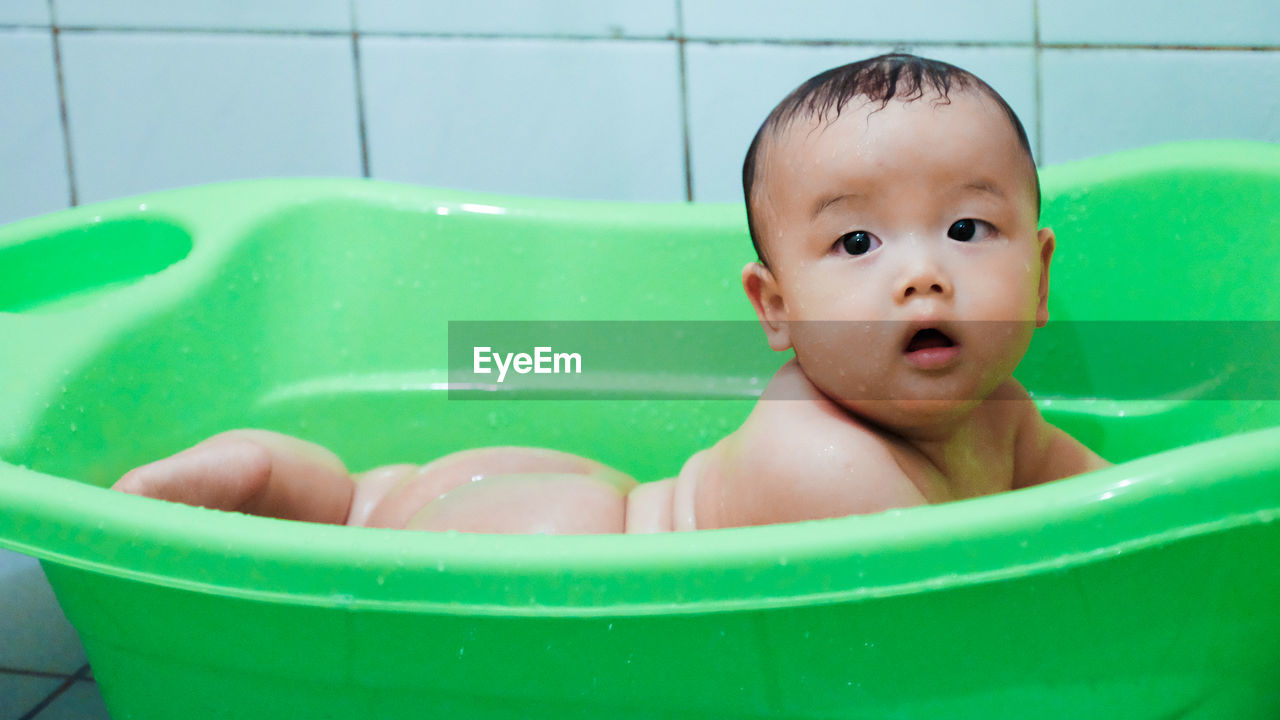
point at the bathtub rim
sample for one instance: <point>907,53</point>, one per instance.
<point>1123,509</point>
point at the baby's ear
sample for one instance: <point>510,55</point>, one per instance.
<point>1045,238</point>
<point>765,296</point>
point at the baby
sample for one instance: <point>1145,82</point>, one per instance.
<point>893,204</point>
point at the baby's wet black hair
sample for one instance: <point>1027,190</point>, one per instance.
<point>879,79</point>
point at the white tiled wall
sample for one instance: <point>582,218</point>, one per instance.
<point>1155,96</point>
<point>510,116</point>
<point>24,12</point>
<point>161,109</point>
<point>1160,22</point>
<point>558,18</point>
<point>605,99</point>
<point>243,15</point>
<point>33,161</point>
<point>968,21</point>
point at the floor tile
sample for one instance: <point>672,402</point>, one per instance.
<point>81,701</point>
<point>36,634</point>
<point>20,693</point>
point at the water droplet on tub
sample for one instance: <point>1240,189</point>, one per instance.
<point>337,304</point>
<point>382,579</point>
<point>440,566</point>
<point>73,427</point>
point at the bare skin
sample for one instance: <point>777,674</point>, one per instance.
<point>906,270</point>
<point>493,490</point>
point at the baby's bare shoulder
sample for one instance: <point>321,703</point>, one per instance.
<point>1045,452</point>
<point>799,456</point>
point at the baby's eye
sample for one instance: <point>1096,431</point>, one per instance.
<point>970,229</point>
<point>858,242</point>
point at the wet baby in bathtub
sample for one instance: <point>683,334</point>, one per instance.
<point>894,205</point>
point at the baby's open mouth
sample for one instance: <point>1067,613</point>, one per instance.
<point>929,338</point>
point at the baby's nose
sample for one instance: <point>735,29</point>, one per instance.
<point>924,280</point>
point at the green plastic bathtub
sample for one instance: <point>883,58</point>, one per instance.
<point>133,328</point>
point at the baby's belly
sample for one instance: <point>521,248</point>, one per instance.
<point>496,490</point>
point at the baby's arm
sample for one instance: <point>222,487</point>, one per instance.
<point>1061,456</point>
<point>251,471</point>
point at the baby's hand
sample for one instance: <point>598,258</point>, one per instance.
<point>250,471</point>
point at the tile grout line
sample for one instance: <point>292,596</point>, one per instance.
<point>361,122</point>
<point>855,42</point>
<point>682,65</point>
<point>33,673</point>
<point>1038,79</point>
<point>66,684</point>
<point>62,107</point>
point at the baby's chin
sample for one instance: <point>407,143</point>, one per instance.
<point>907,408</point>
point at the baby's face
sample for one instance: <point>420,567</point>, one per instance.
<point>914,228</point>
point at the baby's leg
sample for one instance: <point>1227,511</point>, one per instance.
<point>373,486</point>
<point>529,503</point>
<point>666,505</point>
<point>405,494</point>
<point>250,471</point>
